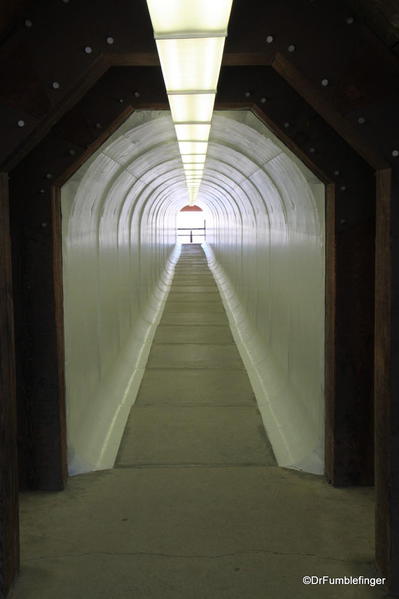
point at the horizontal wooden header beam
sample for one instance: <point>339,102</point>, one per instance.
<point>146,59</point>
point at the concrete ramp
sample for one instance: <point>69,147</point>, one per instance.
<point>195,405</point>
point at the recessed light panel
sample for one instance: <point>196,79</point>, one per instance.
<point>190,36</point>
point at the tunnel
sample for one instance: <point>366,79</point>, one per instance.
<point>265,245</point>
<point>198,408</point>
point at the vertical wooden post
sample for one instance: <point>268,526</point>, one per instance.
<point>58,297</point>
<point>330,261</point>
<point>9,536</point>
<point>387,377</point>
<point>36,227</point>
<point>349,341</point>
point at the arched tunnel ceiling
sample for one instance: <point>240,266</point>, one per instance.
<point>248,171</point>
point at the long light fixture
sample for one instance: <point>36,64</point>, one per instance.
<point>190,36</point>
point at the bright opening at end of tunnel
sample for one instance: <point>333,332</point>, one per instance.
<point>191,225</point>
<point>190,41</point>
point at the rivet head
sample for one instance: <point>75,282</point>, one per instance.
<point>395,153</point>
<point>286,125</point>
<point>21,123</point>
<point>136,94</point>
<point>336,173</point>
<point>55,85</point>
<point>350,20</point>
<point>72,152</point>
<point>49,176</point>
<point>312,150</point>
<point>42,190</point>
<point>28,23</point>
<point>247,94</point>
<point>44,225</point>
<point>361,120</point>
<point>270,39</point>
<point>88,49</point>
<point>263,100</point>
<point>121,100</point>
<point>343,188</point>
<point>98,125</point>
<point>110,40</point>
<point>291,48</point>
<point>325,82</point>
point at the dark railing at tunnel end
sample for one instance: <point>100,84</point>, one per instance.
<point>191,229</point>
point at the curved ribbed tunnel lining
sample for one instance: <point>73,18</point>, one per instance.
<point>265,236</point>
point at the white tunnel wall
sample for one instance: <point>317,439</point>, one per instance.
<point>118,253</point>
<point>265,233</point>
<point>269,264</point>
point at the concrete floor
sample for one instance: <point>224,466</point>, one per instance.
<point>196,507</point>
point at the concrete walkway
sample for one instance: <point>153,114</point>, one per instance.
<point>196,507</point>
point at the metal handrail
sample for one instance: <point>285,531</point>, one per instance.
<point>191,229</point>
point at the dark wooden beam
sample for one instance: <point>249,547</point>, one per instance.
<point>330,332</point>
<point>36,231</point>
<point>94,71</point>
<point>9,541</point>
<point>59,341</point>
<point>349,330</point>
<point>314,98</point>
<point>325,177</point>
<point>387,377</point>
<point>89,151</point>
<point>133,59</point>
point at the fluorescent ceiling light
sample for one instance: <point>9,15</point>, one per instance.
<point>193,16</point>
<point>192,132</point>
<point>193,167</point>
<point>193,147</point>
<point>190,36</point>
<point>193,171</point>
<point>191,64</point>
<point>193,158</point>
<point>187,108</point>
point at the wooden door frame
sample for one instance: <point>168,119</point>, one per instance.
<point>9,520</point>
<point>340,470</point>
<point>386,378</point>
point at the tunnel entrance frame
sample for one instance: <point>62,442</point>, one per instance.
<point>54,475</point>
<point>341,469</point>
<point>386,187</point>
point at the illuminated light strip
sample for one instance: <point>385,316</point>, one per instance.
<point>190,36</point>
